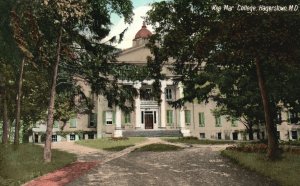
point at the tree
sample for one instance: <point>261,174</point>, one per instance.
<point>200,39</point>
<point>64,23</point>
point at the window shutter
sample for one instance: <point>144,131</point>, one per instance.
<point>104,117</point>
<point>114,117</point>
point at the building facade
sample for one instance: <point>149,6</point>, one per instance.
<point>193,119</point>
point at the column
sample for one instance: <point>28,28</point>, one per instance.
<point>185,132</point>
<point>99,118</point>
<point>138,107</point>
<point>118,130</point>
<point>163,105</point>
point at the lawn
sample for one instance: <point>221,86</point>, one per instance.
<point>194,140</point>
<point>285,171</point>
<point>111,144</point>
<point>158,147</point>
<point>25,162</point>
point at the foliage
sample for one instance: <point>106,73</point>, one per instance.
<point>22,163</point>
<point>194,140</point>
<point>281,171</point>
<point>219,56</point>
<point>111,143</point>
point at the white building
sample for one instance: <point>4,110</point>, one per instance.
<point>154,119</point>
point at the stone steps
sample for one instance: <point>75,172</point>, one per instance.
<point>152,133</point>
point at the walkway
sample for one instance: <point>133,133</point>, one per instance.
<point>195,165</point>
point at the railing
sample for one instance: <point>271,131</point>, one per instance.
<point>149,102</point>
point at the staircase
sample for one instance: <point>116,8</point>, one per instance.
<point>152,133</point>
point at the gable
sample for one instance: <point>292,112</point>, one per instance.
<point>136,55</point>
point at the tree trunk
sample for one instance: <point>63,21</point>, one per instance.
<point>250,130</point>
<point>47,148</point>
<point>273,150</point>
<point>18,104</point>
<point>5,119</point>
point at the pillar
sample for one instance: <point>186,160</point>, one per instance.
<point>163,105</point>
<point>138,107</point>
<point>118,130</point>
<point>185,132</point>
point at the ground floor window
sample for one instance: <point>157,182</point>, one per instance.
<point>90,136</point>
<point>294,135</point>
<point>219,134</point>
<point>54,138</point>
<point>127,118</point>
<point>108,117</point>
<point>202,135</point>
<point>169,117</point>
<point>72,137</point>
<point>187,114</point>
<point>235,136</point>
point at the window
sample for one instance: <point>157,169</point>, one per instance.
<point>169,117</point>
<point>234,122</point>
<point>72,137</point>
<point>219,134</point>
<point>218,121</point>
<point>127,118</point>
<point>187,114</point>
<point>90,136</point>
<point>142,117</point>
<point>73,123</point>
<point>56,124</point>
<point>294,135</point>
<point>201,119</point>
<point>292,117</point>
<point>235,136</point>
<point>92,120</point>
<point>278,118</point>
<point>54,138</point>
<point>108,117</point>
<point>168,93</point>
<point>202,135</point>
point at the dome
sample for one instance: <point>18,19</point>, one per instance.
<point>143,32</point>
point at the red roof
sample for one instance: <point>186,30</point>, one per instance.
<point>143,32</point>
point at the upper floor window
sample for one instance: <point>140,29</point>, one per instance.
<point>73,123</point>
<point>201,119</point>
<point>218,121</point>
<point>55,124</point>
<point>292,117</point>
<point>169,94</point>
<point>92,120</point>
<point>234,122</point>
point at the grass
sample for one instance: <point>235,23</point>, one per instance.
<point>284,171</point>
<point>158,147</point>
<point>24,162</point>
<point>111,144</point>
<point>193,140</point>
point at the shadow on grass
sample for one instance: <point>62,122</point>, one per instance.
<point>158,147</point>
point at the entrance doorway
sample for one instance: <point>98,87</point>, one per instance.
<point>149,120</point>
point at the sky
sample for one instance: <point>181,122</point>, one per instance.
<point>140,9</point>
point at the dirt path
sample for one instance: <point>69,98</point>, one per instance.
<point>194,166</point>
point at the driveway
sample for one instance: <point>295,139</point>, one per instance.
<point>198,165</point>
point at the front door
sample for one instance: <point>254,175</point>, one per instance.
<point>149,120</point>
